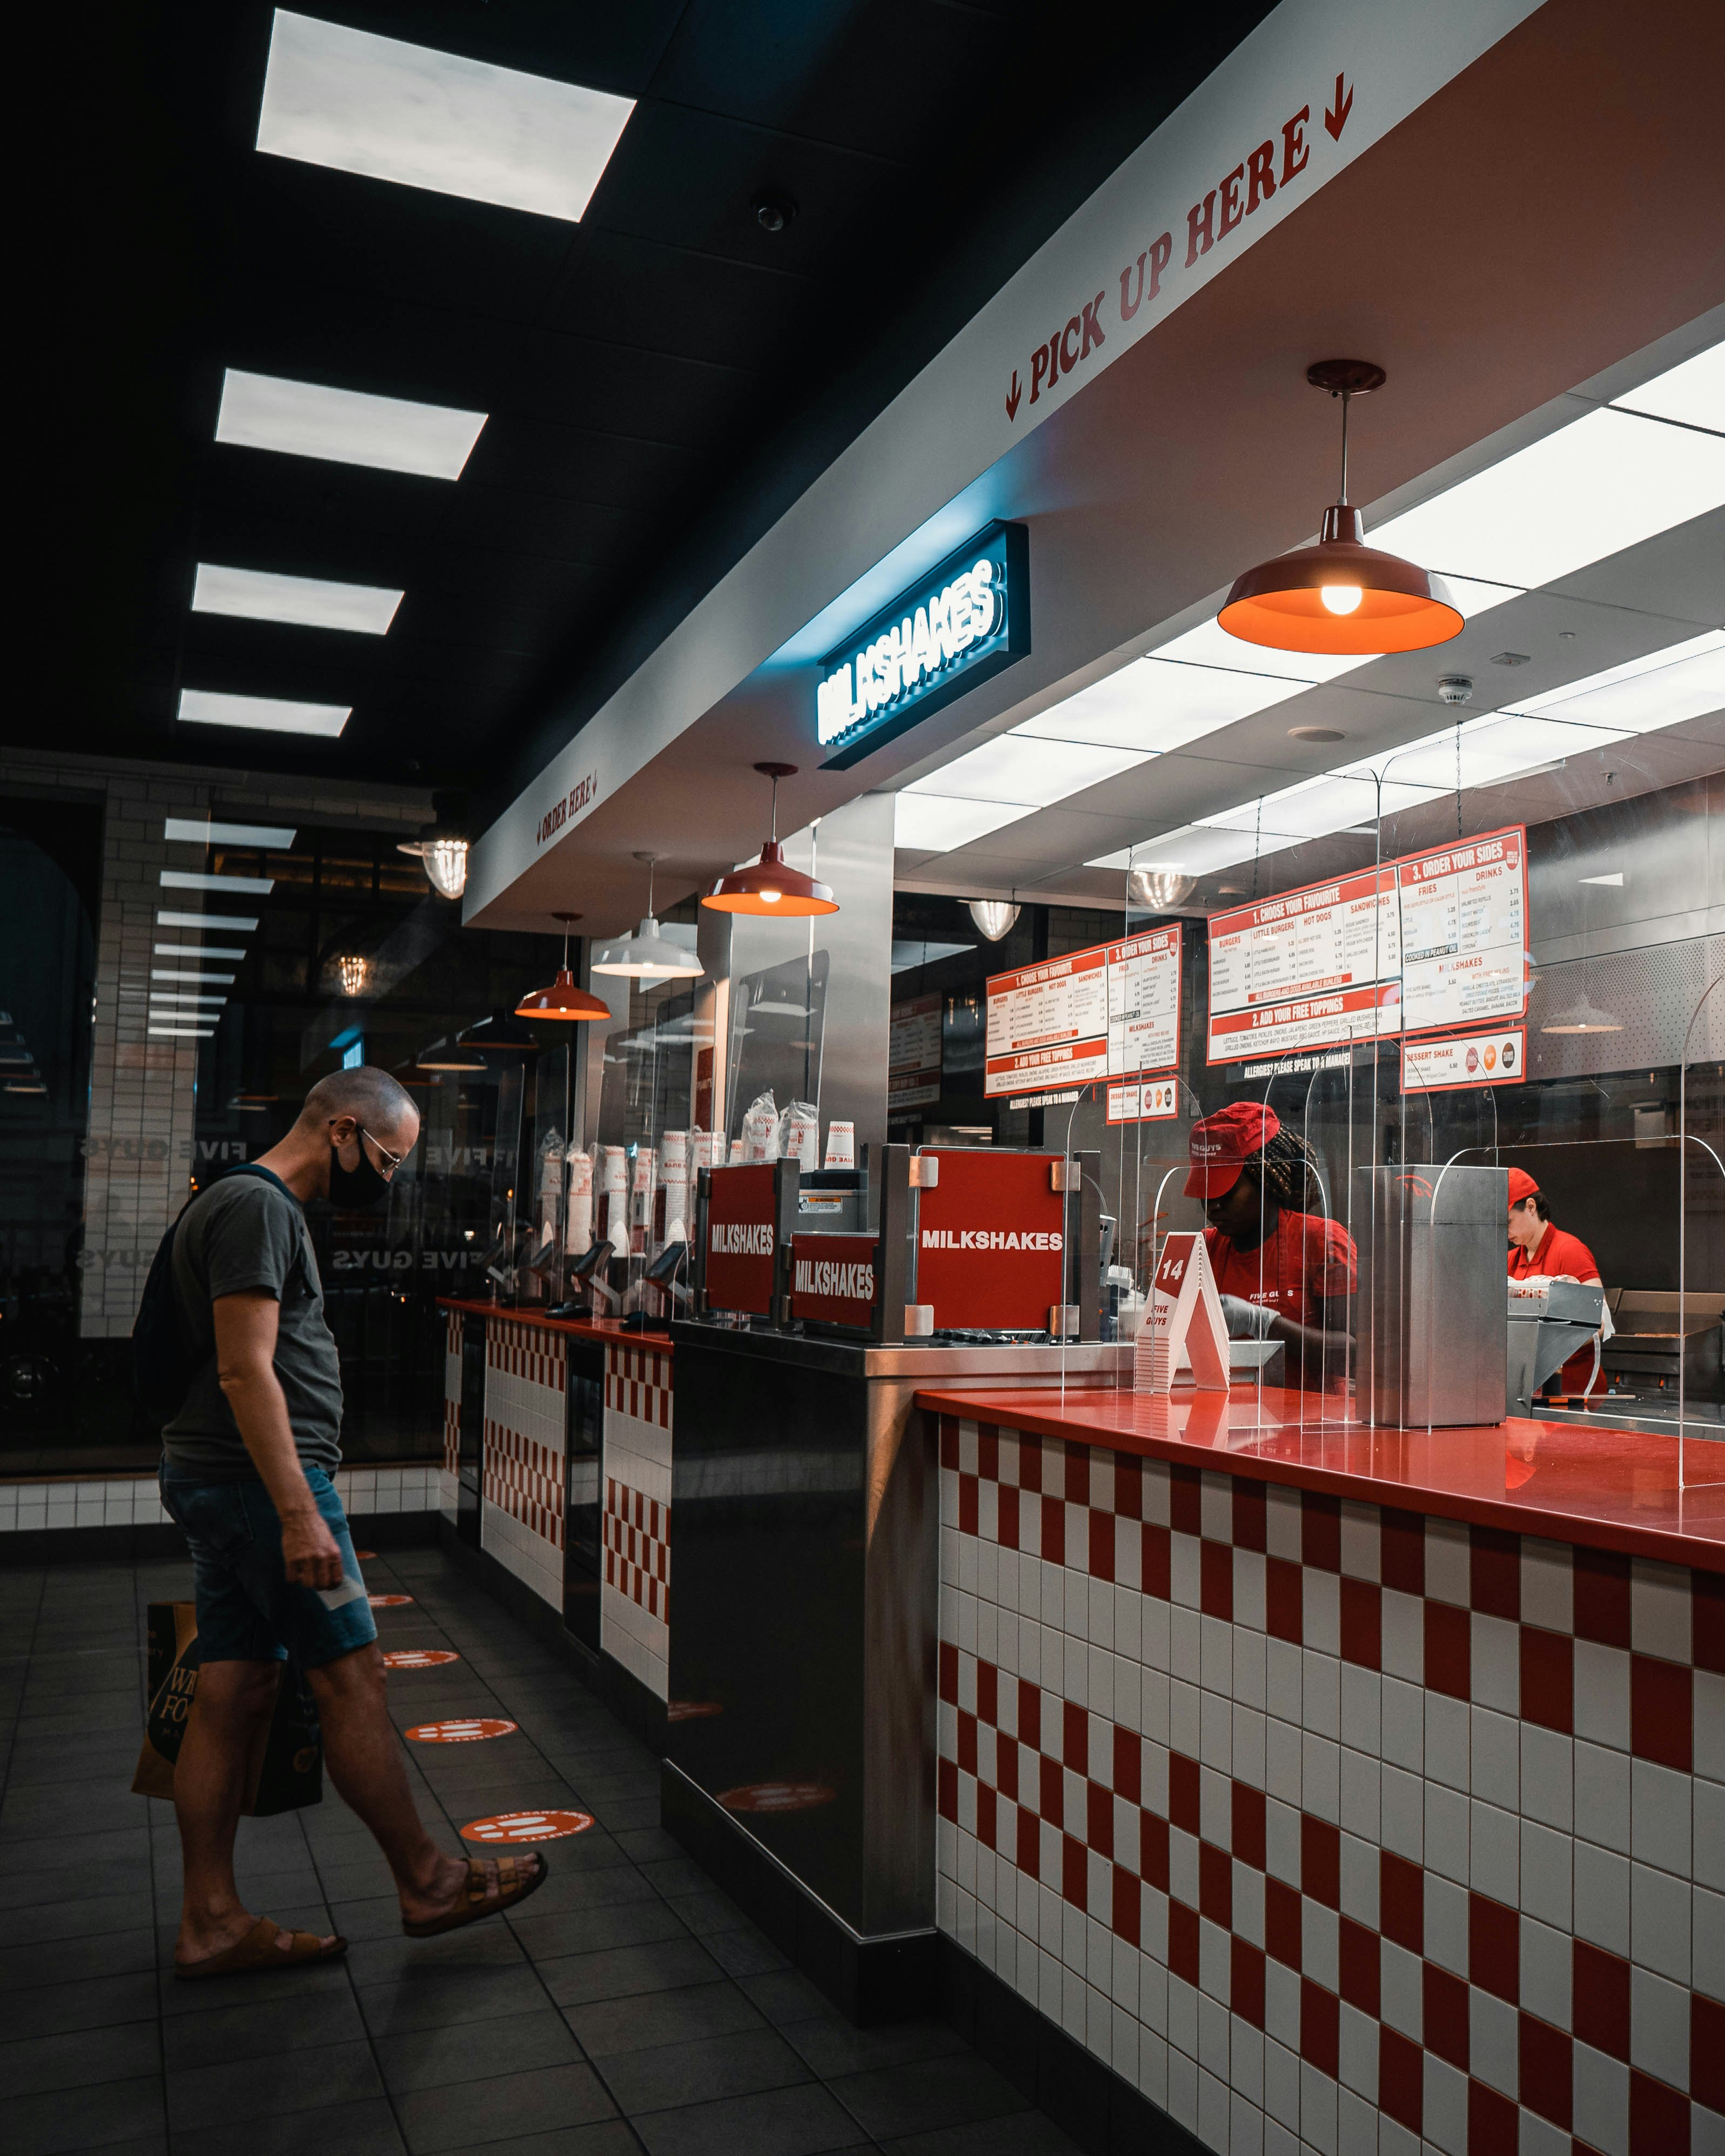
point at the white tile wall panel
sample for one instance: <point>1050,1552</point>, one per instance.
<point>634,1590</point>
<point>1329,1826</point>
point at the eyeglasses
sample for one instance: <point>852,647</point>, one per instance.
<point>391,1160</point>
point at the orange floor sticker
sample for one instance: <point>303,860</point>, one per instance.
<point>367,1557</point>
<point>778,1797</point>
<point>389,1601</point>
<point>469,1732</point>
<point>419,1658</point>
<point>527,1826</point>
<point>693,1710</point>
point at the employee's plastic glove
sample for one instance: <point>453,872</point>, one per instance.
<point>1246,1321</point>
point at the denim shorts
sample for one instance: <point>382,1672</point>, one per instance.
<point>248,1609</point>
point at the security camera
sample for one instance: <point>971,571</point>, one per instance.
<point>1455,689</point>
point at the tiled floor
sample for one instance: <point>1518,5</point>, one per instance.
<point>630,2006</point>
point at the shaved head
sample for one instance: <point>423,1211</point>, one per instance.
<point>378,1102</point>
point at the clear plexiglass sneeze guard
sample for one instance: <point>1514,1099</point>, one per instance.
<point>1363,1116</point>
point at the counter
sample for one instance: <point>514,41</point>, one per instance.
<point>557,1469</point>
<point>1320,1784</point>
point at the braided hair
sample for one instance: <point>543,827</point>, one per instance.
<point>1287,1167</point>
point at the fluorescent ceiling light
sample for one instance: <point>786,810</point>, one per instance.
<point>200,832</point>
<point>1662,689</point>
<point>271,714</point>
<point>196,1032</point>
<point>1210,645</point>
<point>170,973</point>
<point>1155,706</point>
<point>245,921</point>
<point>425,118</point>
<point>932,824</point>
<point>235,886</point>
<point>1030,773</point>
<point>1195,849</point>
<point>1595,487</point>
<point>345,426</point>
<point>1691,393</point>
<point>198,950</point>
<point>258,595</point>
<point>184,996</point>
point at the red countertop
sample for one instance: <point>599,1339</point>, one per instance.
<point>586,1328</point>
<point>1609,1489</point>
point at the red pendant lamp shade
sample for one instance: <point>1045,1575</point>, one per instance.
<point>563,999</point>
<point>770,886</point>
<point>1341,596</point>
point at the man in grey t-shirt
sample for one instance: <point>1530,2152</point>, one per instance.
<point>247,1472</point>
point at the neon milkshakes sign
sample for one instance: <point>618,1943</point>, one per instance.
<point>968,619</point>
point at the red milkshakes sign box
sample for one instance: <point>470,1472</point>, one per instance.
<point>833,1280</point>
<point>990,1243</point>
<point>742,1239</point>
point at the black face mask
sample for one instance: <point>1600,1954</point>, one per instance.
<point>355,1189</point>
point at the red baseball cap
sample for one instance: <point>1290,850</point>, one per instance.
<point>1521,1185</point>
<point>1224,1142</point>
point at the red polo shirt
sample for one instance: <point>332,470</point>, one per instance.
<point>1557,1251</point>
<point>1306,1260</point>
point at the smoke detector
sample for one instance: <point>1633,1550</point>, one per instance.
<point>1455,689</point>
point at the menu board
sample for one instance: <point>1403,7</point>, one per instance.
<point>1464,924</point>
<point>913,1053</point>
<point>1112,1011</point>
<point>1420,944</point>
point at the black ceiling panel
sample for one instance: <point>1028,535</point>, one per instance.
<point>660,379</point>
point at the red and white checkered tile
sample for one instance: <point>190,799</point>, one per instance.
<point>1328,1825</point>
<point>526,1479</point>
<point>528,1352</point>
<point>637,1535</point>
<point>638,1383</point>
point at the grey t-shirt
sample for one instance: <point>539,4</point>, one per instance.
<point>242,1234</point>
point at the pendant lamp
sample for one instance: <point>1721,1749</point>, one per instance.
<point>562,999</point>
<point>1341,596</point>
<point>994,916</point>
<point>771,885</point>
<point>442,847</point>
<point>1157,890</point>
<point>648,955</point>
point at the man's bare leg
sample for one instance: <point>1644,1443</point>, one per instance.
<point>209,1787</point>
<point>363,1753</point>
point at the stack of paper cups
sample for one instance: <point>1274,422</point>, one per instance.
<point>737,1152</point>
<point>578,1233</point>
<point>802,1137</point>
<point>613,1195</point>
<point>673,1174</point>
<point>841,1145</point>
<point>640,1203</point>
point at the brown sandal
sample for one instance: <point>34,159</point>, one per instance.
<point>258,1954</point>
<point>514,1883</point>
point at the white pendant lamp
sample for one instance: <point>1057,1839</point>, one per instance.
<point>994,916</point>
<point>648,955</point>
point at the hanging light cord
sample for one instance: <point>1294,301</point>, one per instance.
<point>1458,780</point>
<point>1344,394</point>
<point>1257,841</point>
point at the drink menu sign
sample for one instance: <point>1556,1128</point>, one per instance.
<point>1112,1011</point>
<point>1421,944</point>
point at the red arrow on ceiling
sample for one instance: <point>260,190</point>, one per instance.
<point>1012,402</point>
<point>1336,119</point>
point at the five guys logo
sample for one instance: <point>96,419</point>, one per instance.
<point>1272,165</point>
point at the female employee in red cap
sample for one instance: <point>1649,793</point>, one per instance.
<point>1285,1274</point>
<point>1538,1249</point>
